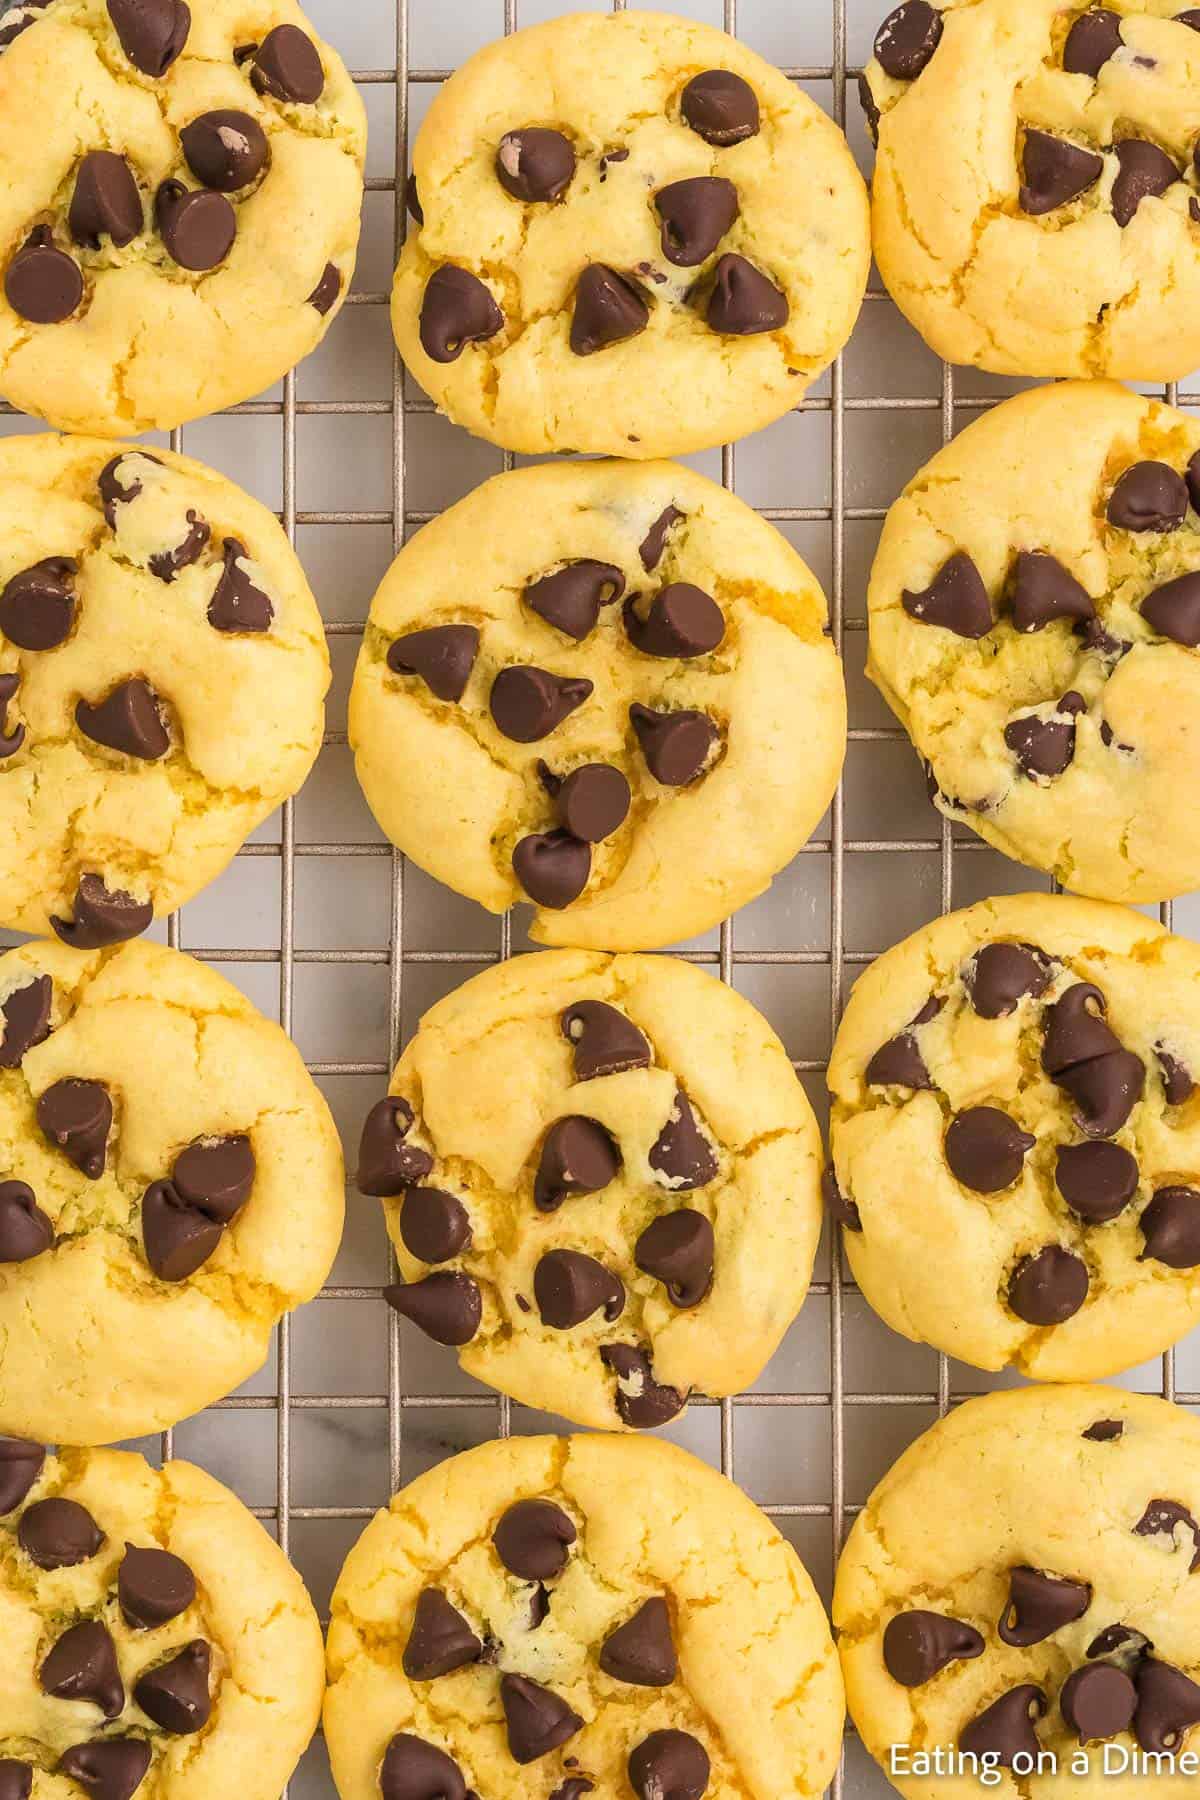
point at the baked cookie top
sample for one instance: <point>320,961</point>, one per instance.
<point>1016,1136</point>
<point>179,205</point>
<point>155,1639</point>
<point>631,236</point>
<point>163,669</point>
<point>586,1615</point>
<point>1035,618</point>
<point>1024,1581</point>
<point>1036,196</point>
<point>604,688</point>
<point>601,1176</point>
<point>172,1185</point>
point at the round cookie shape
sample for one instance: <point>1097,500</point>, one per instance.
<point>631,236</point>
<point>1036,199</point>
<point>1034,624</point>
<point>185,226</point>
<point>175,1649</point>
<point>162,672</point>
<point>172,1185</point>
<point>1054,1612</point>
<point>1016,1136</point>
<point>601,1177</point>
<point>678,1635</point>
<point>612,693</point>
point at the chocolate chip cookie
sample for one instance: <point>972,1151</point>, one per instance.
<point>578,1616</point>
<point>1024,1583</point>
<point>630,235</point>
<point>1037,188</point>
<point>162,673</point>
<point>172,1185</point>
<point>180,190</point>
<point>156,1640</point>
<point>605,689</point>
<point>1035,625</point>
<point>601,1178</point>
<point>1016,1136</point>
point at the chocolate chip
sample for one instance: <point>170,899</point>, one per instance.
<point>683,621</point>
<point>552,867</point>
<point>1190,17</point>
<point>907,39</point>
<point>1098,1703</point>
<point>10,741</point>
<point>166,564</point>
<point>216,1175</point>
<point>196,225</point>
<point>1173,610</point>
<point>842,1211</point>
<point>986,1150</point>
<point>538,1720</point>
<point>37,607</point>
<point>16,1778</point>
<point>642,1402</point>
<point>720,107</point>
<point>326,291</point>
<point>535,164</point>
<point>592,802</point>
<point>669,1765</point>
<point>1171,1228</point>
<point>227,150</point>
<point>871,112</point>
<point>442,655</point>
<point>899,1063</point>
<point>1004,1730</point>
<point>641,1652</point>
<point>1043,591</point>
<point>447,1307</point>
<point>955,599</point>
<point>677,746</point>
<point>434,1226</point>
<point>387,1162</point>
<point>609,308</point>
<point>175,1694</point>
<point>1048,1287</point>
<point>1168,1706</point>
<point>695,216</point>
<point>106,201</point>
<point>619,155</point>
<point>681,1153</point>
<point>1178,1084</point>
<point>58,1534</point>
<point>1077,1030</point>
<point>918,1645</point>
<point>178,1239</point>
<point>109,1768</point>
<point>651,548</point>
<point>128,719</point>
<point>533,1538</point>
<point>10,30</point>
<point>440,1640</point>
<point>569,1287</point>
<point>1096,1180</point>
<point>237,605</point>
<point>118,486</point>
<point>82,1665</point>
<point>77,1116</point>
<point>1084,1055</point>
<point>457,310</point>
<point>1045,748</point>
<point>287,66</point>
<point>1149,496</point>
<point>528,703</point>
<point>1104,1431</point>
<point>415,1770</point>
<point>25,1230</point>
<point>678,1249</point>
<point>26,1017</point>
<point>1000,976</point>
<point>1055,171</point>
<point>742,301</point>
<point>1163,1518</point>
<point>42,283</point>
<point>153,1587</point>
<point>571,597</point>
<point>1091,41</point>
<point>412,201</point>
<point>578,1157</point>
<point>604,1040</point>
<point>1144,170</point>
<point>152,32</point>
<point>20,1465</point>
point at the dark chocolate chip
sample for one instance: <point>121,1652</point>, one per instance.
<point>592,802</point>
<point>1178,1084</point>
<point>677,746</point>
<point>1005,1730</point>
<point>578,1157</point>
<point>642,1402</point>
<point>82,1665</point>
<point>237,605</point>
<point>681,1154</point>
<point>1048,1287</point>
<point>899,1063</point>
<point>287,66</point>
<point>652,546</point>
<point>1091,41</point>
<point>1170,1226</point>
<point>528,703</point>
<point>1098,1703</point>
<point>742,301</point>
<point>166,564</point>
<point>986,1150</point>
<point>115,490</point>
<point>415,1770</point>
<point>1045,748</point>
<point>720,107</point>
<point>440,1640</point>
<point>1190,17</point>
<point>1149,496</point>
<point>535,164</point>
<point>226,150</point>
<point>216,1175</point>
<point>153,1587</point>
<point>604,1040</point>
<point>20,1465</point>
<point>619,155</point>
<point>77,1116</point>
<point>457,310</point>
<point>42,283</point>
<point>538,1720</point>
<point>1055,171</point>
<point>641,1652</point>
<point>58,1533</point>
<point>326,291</point>
<point>871,112</point>
<point>16,1778</point>
<point>683,621</point>
<point>178,1239</point>
<point>907,39</point>
<point>669,1765</point>
<point>918,1645</point>
<point>1163,1518</point>
<point>175,1694</point>
<point>10,741</point>
<point>609,307</point>
<point>387,1162</point>
<point>128,719</point>
<point>1000,976</point>
<point>1076,1029</point>
<point>569,1287</point>
<point>1104,1431</point>
<point>1168,1706</point>
<point>434,1226</point>
<point>152,32</point>
<point>1173,610</point>
<point>552,867</point>
<point>1119,1639</point>
<point>442,655</point>
<point>11,29</point>
<point>955,599</point>
<point>106,201</point>
<point>533,1539</point>
<point>842,1211</point>
<point>447,1307</point>
<point>695,216</point>
<point>1097,1180</point>
<point>26,1017</point>
<point>570,599</point>
<point>1106,1091</point>
<point>25,1230</point>
<point>1043,591</point>
<point>37,607</point>
<point>412,201</point>
<point>1144,170</point>
<point>196,225</point>
<point>109,1768</point>
<point>679,1250</point>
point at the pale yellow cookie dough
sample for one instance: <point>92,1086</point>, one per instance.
<point>757,1681</point>
<point>249,1607</point>
<point>93,1345</point>
<point>1013,1481</point>
<point>1036,475</point>
<point>243,709</point>
<point>457,795</point>
<point>488,1074</point>
<point>152,343</point>
<point>1068,291</point>
<point>611,83</point>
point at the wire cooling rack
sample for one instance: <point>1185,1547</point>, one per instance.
<point>321,923</point>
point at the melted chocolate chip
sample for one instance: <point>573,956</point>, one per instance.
<point>1104,1431</point>
<point>1144,170</point>
<point>652,546</point>
<point>842,1211</point>
<point>592,802</point>
<point>175,1694</point>
<point>226,150</point>
<point>1178,1084</point>
<point>679,1250</point>
<point>604,1040</point>
<point>237,605</point>
<point>571,597</point>
<point>986,1150</point>
<point>442,655</point>
<point>1000,976</point>
<point>1170,1226</point>
<point>447,1307</point>
<point>1048,1287</point>
<point>216,1175</point>
<point>535,165</point>
<point>415,1770</point>
<point>26,1019</point>
<point>1149,496</point>
<point>528,703</point>
<point>1168,1705</point>
<point>742,301</point>
<point>153,1587</point>
<point>1164,1518</point>
<point>569,1287</point>
<point>681,1154</point>
<point>42,283</point>
<point>166,564</point>
<point>37,607</point>
<point>907,39</point>
<point>1005,1730</point>
<point>58,1533</point>
<point>683,621</point>
<point>578,1157</point>
<point>538,1720</point>
<point>871,112</point>
<point>1098,1703</point>
<point>434,1226</point>
<point>1091,41</point>
<point>918,1645</point>
<point>106,201</point>
<point>152,32</point>
<point>12,28</point>
<point>642,1402</point>
<point>1044,591</point>
<point>720,107</point>
<point>109,1768</point>
<point>457,310</point>
<point>669,1765</point>
<point>287,66</point>
<point>178,1239</point>
<point>695,216</point>
<point>553,868</point>
<point>10,741</point>
<point>326,291</point>
<point>641,1652</point>
<point>128,719</point>
<point>25,1230</point>
<point>412,201</point>
<point>1045,747</point>
<point>533,1539</point>
<point>955,599</point>
<point>77,1116</point>
<point>1173,610</point>
<point>387,1162</point>
<point>440,1640</point>
<point>196,225</point>
<point>16,1778</point>
<point>1097,1180</point>
<point>677,746</point>
<point>1055,171</point>
<point>609,307</point>
<point>20,1465</point>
